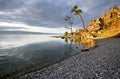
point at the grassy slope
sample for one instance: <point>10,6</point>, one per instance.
<point>109,33</point>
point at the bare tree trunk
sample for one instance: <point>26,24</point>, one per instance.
<point>71,30</point>
<point>82,21</point>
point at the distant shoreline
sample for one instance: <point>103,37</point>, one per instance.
<point>25,33</point>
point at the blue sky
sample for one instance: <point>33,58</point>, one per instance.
<point>48,15</point>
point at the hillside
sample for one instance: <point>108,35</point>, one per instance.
<point>107,25</point>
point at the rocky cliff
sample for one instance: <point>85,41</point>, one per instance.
<point>107,25</point>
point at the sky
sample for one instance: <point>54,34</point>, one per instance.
<point>47,16</point>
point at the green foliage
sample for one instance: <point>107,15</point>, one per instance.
<point>75,7</point>
<point>75,10</point>
<point>105,26</point>
<point>68,19</point>
<point>70,22</point>
<point>78,11</point>
<point>66,34</point>
<point>66,40</point>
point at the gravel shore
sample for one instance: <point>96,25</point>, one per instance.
<point>102,62</point>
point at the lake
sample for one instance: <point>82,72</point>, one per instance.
<point>25,53</point>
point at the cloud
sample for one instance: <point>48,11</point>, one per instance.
<point>8,5</point>
<point>51,13</point>
<point>3,28</point>
<point>38,13</point>
<point>6,26</point>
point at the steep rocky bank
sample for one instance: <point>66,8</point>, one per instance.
<point>107,25</point>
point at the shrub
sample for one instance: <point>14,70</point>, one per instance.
<point>66,33</point>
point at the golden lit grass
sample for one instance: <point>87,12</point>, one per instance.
<point>109,33</point>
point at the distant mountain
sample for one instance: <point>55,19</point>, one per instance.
<point>22,32</point>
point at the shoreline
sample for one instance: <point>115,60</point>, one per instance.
<point>102,62</point>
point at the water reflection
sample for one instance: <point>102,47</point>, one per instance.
<point>68,46</point>
<point>87,43</point>
<point>36,53</point>
<point>12,41</point>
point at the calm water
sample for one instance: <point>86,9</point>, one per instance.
<point>20,53</point>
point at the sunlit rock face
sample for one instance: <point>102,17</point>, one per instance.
<point>108,20</point>
<point>107,25</point>
<point>86,34</point>
<point>80,34</point>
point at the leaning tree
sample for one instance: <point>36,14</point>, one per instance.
<point>77,11</point>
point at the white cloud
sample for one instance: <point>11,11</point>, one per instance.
<point>45,15</point>
<point>25,27</point>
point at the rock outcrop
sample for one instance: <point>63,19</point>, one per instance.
<point>109,21</point>
<point>106,26</point>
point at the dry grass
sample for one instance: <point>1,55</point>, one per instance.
<point>110,33</point>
